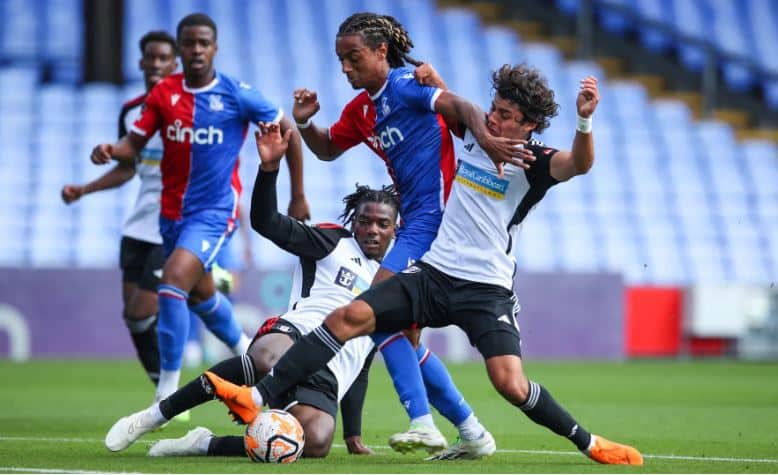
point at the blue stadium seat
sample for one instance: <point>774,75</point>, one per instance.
<point>707,264</point>
<point>656,11</point>
<point>760,158</point>
<point>19,38</point>
<point>537,250</point>
<point>689,19</point>
<point>613,20</point>
<point>729,34</point>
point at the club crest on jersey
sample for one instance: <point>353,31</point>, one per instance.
<point>481,181</point>
<point>215,102</point>
<point>174,99</point>
<point>385,109</point>
<point>345,278</point>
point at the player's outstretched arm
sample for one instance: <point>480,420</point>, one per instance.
<point>351,411</point>
<point>125,150</point>
<point>298,205</point>
<point>500,149</point>
<point>285,232</point>
<point>115,177</point>
<point>306,105</point>
<point>579,160</point>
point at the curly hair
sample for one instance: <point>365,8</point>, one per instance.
<point>377,29</point>
<point>528,89</point>
<point>365,194</point>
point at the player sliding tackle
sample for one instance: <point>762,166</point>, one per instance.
<point>344,264</point>
<point>466,278</point>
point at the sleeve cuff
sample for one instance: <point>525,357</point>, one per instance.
<point>435,95</point>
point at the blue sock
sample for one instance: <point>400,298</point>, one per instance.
<point>195,328</point>
<point>443,393</point>
<point>172,326</point>
<point>216,313</point>
<point>404,369</point>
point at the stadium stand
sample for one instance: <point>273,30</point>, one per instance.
<point>670,200</point>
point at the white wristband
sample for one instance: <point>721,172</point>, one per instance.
<point>305,125</point>
<point>583,124</point>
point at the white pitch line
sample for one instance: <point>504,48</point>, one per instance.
<point>506,451</point>
<point>57,470</point>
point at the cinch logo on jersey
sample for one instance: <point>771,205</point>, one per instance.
<point>201,136</point>
<point>482,181</point>
<point>387,138</point>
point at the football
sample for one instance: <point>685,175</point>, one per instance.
<point>275,436</point>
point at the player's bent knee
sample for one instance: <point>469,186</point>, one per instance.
<point>263,359</point>
<point>508,377</point>
<point>358,317</point>
<point>319,428</point>
<point>316,447</point>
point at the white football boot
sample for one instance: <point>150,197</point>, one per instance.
<point>419,436</point>
<point>193,443</point>
<point>129,429</point>
<point>475,449</point>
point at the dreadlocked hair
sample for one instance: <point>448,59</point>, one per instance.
<point>364,194</point>
<point>528,89</point>
<point>377,29</point>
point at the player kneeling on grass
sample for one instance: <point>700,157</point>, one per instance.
<point>467,276</point>
<point>335,265</point>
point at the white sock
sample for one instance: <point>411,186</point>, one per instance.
<point>156,414</point>
<point>591,444</point>
<point>202,446</point>
<point>256,397</point>
<point>242,345</point>
<point>425,420</point>
<point>471,428</point>
<point>168,383</point>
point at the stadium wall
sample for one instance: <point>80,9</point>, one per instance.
<point>77,313</point>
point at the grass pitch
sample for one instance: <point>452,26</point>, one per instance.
<point>685,417</point>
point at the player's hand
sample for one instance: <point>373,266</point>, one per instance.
<point>298,209</point>
<point>504,150</point>
<point>356,447</point>
<point>588,97</point>
<point>271,145</point>
<point>71,193</point>
<point>426,75</point>
<point>306,105</point>
<point>101,154</point>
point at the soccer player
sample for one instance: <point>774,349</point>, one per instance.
<point>140,255</point>
<point>335,265</point>
<point>396,118</point>
<point>466,278</point>
<point>203,116</point>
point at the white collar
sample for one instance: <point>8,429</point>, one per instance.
<point>205,88</point>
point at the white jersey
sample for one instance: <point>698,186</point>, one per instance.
<point>484,214</point>
<point>324,284</point>
<point>143,222</point>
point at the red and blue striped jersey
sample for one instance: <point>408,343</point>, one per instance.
<point>202,132</point>
<point>400,125</point>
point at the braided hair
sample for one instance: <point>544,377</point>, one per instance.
<point>377,29</point>
<point>365,194</point>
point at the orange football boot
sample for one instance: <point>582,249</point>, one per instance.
<point>607,452</point>
<point>237,398</point>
